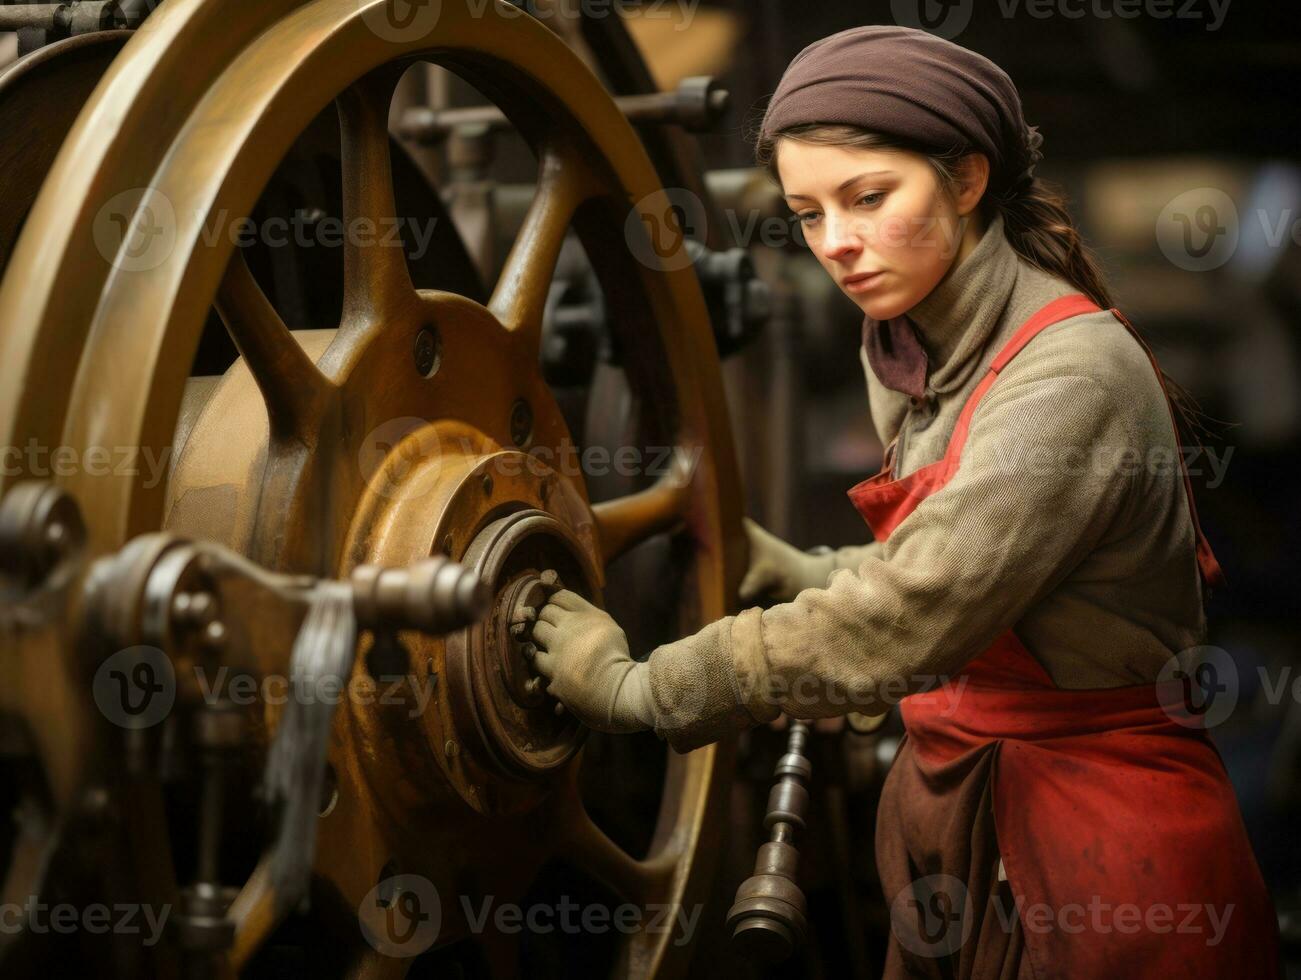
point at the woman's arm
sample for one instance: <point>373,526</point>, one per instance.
<point>1040,483</point>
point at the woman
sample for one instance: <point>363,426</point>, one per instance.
<point>1052,810</point>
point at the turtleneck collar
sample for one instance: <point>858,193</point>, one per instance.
<point>953,322</point>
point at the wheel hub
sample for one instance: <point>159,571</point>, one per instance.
<point>493,686</point>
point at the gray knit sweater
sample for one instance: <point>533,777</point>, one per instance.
<point>1067,520</point>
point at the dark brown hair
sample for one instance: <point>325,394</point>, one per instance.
<point>1036,222</point>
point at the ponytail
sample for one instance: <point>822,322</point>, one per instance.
<point>1040,229</point>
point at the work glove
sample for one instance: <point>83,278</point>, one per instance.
<point>781,571</point>
<point>584,655</point>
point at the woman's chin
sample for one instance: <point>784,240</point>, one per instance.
<point>881,307</point>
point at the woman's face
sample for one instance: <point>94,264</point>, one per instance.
<point>877,220</point>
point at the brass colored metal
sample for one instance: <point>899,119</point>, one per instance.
<point>322,451</point>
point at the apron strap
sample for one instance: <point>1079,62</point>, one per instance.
<point>1059,309</point>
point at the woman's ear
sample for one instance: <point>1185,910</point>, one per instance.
<point>973,178</point>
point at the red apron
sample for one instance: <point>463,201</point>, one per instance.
<point>1119,833</point>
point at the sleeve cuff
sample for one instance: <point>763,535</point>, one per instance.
<point>711,684</point>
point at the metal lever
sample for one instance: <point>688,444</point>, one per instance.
<point>768,917</point>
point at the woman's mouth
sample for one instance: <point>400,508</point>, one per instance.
<point>861,282</point>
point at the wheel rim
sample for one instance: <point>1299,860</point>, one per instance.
<point>336,387</point>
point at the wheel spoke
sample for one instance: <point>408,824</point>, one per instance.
<point>291,385</point>
<point>588,847</point>
<point>521,291</point>
<point>376,281</point>
<point>626,521</point>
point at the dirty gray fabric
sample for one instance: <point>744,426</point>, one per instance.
<point>1045,527</point>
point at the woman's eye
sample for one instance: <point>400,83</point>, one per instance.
<point>873,199</point>
<point>808,217</point>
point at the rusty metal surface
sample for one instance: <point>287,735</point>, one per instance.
<point>200,107</point>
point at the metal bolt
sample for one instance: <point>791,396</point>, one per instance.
<point>487,484</point>
<point>427,353</point>
<point>521,423</point>
<point>560,708</point>
<point>203,609</point>
<point>215,634</point>
<point>447,546</point>
<point>181,606</point>
<point>451,748</point>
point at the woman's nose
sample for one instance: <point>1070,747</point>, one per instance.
<point>840,238</point>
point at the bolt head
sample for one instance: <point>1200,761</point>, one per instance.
<point>521,423</point>
<point>427,353</point>
<point>214,635</point>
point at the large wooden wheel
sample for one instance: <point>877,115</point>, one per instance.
<point>422,424</point>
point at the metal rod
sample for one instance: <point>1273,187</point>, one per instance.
<point>29,15</point>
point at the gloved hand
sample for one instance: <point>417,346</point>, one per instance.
<point>584,654</point>
<point>781,571</point>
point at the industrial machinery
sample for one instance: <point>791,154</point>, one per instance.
<point>237,472</point>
